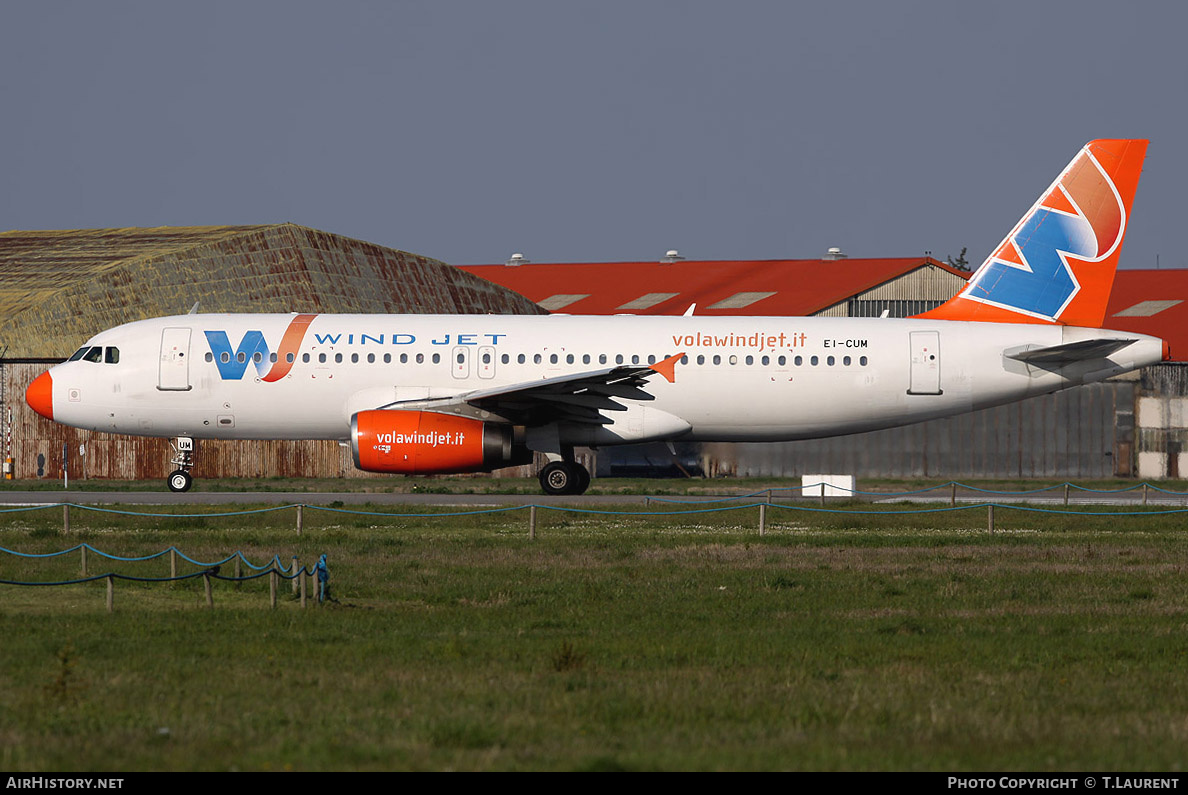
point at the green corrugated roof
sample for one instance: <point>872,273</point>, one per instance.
<point>57,288</point>
<point>36,265</point>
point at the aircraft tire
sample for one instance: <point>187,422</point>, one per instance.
<point>583,479</point>
<point>558,478</point>
<point>179,480</point>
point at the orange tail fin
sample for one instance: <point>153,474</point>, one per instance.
<point>1057,265</point>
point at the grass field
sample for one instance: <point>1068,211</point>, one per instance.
<point>608,642</point>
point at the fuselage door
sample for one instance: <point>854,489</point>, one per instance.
<point>486,362</point>
<point>174,372</point>
<point>461,364</point>
<point>925,347</point>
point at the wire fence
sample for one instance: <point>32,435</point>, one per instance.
<point>298,575</point>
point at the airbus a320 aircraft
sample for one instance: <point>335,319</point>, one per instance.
<point>420,394</point>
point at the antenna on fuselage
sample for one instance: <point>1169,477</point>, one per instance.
<point>194,308</point>
<point>689,311</point>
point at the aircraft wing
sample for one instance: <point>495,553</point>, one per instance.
<point>577,397</point>
<point>1071,352</point>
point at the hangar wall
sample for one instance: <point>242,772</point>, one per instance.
<point>1085,432</point>
<point>36,447</point>
<point>1119,428</point>
<point>912,293</point>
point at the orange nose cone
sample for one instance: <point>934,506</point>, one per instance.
<point>40,395</point>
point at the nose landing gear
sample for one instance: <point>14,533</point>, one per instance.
<point>180,479</point>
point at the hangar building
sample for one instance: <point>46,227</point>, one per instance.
<point>1133,426</point>
<point>59,288</point>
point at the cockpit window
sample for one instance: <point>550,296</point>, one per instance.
<point>112,355</point>
<point>79,353</point>
<point>93,355</point>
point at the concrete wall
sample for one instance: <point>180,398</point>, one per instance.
<point>1162,418</point>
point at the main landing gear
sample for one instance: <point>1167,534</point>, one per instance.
<point>564,477</point>
<point>180,479</point>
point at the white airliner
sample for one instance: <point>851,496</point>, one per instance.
<point>419,394</point>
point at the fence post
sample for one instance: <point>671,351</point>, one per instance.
<point>762,518</point>
<point>822,494</point>
<point>110,593</point>
<point>293,572</point>
<point>66,519</point>
<point>531,522</point>
<point>272,575</point>
<point>172,564</point>
<point>1144,493</point>
<point>238,569</point>
<point>209,593</point>
<point>301,577</point>
<point>1065,495</point>
<point>990,516</point>
<point>953,494</point>
<point>83,548</point>
<point>300,518</point>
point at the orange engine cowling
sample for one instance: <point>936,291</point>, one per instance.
<point>426,443</point>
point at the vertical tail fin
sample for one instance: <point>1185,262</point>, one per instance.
<point>1057,265</point>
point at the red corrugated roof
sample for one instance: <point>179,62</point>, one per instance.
<point>1152,302</point>
<point>798,287</point>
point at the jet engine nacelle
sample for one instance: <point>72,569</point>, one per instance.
<point>425,443</point>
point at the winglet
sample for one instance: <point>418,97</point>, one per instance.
<point>667,368</point>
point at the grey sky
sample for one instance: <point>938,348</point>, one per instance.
<point>588,131</point>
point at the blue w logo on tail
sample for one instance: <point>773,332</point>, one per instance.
<point>1029,272</point>
<point>1057,265</point>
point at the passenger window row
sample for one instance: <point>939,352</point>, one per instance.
<point>522,358</point>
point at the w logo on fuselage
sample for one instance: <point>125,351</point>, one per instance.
<point>253,349</point>
<point>233,364</point>
<point>1034,271</point>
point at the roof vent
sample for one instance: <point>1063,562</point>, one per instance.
<point>516,259</point>
<point>672,255</point>
<point>835,253</point>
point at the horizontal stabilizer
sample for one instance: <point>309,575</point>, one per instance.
<point>1071,352</point>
